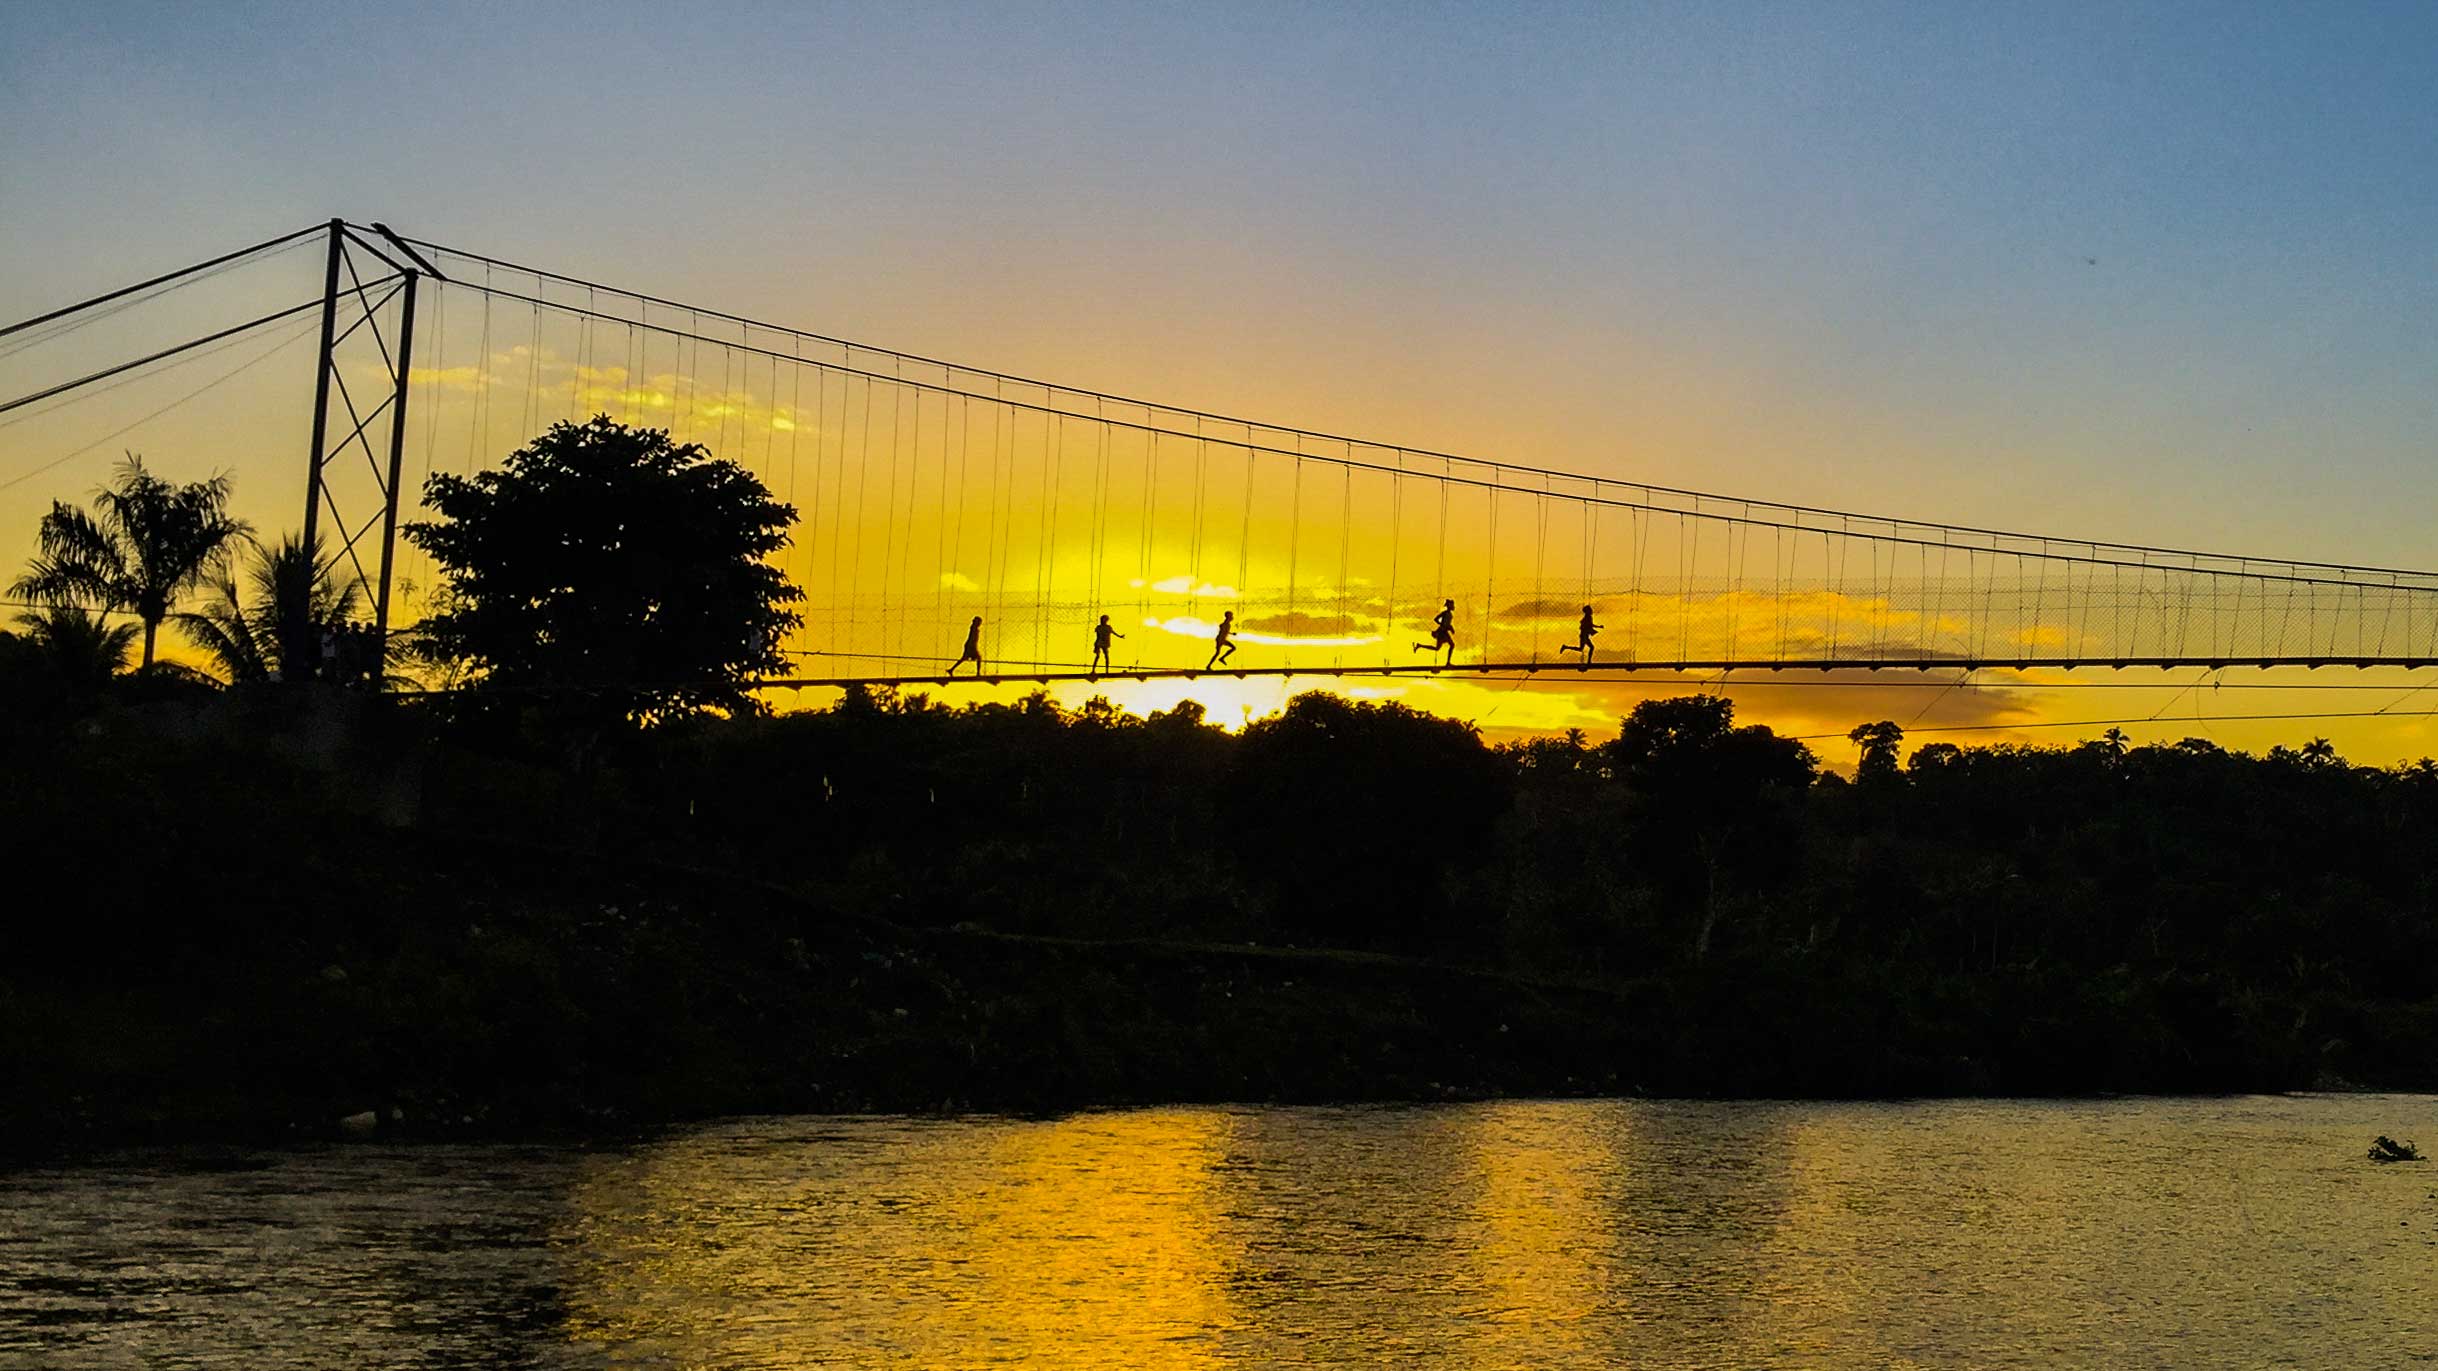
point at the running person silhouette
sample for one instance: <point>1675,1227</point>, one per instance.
<point>1221,648</point>
<point>1101,634</point>
<point>1443,632</point>
<point>1584,633</point>
<point>973,648</point>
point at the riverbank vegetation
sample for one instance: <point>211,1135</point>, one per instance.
<point>263,905</point>
<point>246,907</point>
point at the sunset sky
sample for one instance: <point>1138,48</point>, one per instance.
<point>2160,274</point>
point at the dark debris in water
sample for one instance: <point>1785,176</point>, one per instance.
<point>2386,1149</point>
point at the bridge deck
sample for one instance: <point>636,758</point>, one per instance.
<point>1047,675</point>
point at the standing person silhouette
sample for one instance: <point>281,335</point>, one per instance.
<point>1101,634</point>
<point>973,648</point>
<point>1584,633</point>
<point>1443,632</point>
<point>1221,648</point>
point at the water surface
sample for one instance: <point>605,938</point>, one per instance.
<point>2222,1233</point>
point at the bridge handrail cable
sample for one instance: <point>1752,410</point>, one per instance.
<point>2046,549</point>
<point>165,278</point>
<point>2140,551</point>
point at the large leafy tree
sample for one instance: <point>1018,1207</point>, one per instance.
<point>609,560</point>
<point>266,622</point>
<point>1358,815</point>
<point>1879,743</point>
<point>145,544</point>
<point>1710,798</point>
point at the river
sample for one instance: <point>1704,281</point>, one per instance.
<point>2208,1233</point>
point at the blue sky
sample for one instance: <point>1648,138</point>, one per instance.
<point>2163,273</point>
<point>1986,263</point>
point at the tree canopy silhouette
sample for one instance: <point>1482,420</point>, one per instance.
<point>1879,743</point>
<point>146,543</point>
<point>1712,798</point>
<point>610,559</point>
<point>1355,813</point>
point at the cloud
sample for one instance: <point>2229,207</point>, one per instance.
<point>467,378</point>
<point>1821,708</point>
<point>1527,611</point>
<point>958,580</point>
<point>655,400</point>
<point>1194,626</point>
<point>1299,625</point>
<point>1187,585</point>
<point>1810,644</point>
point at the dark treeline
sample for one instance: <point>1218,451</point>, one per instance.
<point>602,880</point>
<point>2007,918</point>
<point>290,902</point>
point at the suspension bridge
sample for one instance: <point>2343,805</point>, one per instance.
<point>932,493</point>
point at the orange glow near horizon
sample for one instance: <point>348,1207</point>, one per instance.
<point>920,507</point>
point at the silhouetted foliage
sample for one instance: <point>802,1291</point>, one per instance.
<point>266,621</point>
<point>73,651</point>
<point>1354,816</point>
<point>145,545</point>
<point>1880,744</point>
<point>611,560</point>
<point>1711,800</point>
<point>1064,902</point>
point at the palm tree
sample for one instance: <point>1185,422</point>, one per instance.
<point>81,650</point>
<point>268,625</point>
<point>146,543</point>
<point>230,631</point>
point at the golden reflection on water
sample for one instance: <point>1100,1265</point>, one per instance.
<point>1509,1235</point>
<point>1545,1251</point>
<point>1582,1234</point>
<point>927,1244</point>
<point>1141,1239</point>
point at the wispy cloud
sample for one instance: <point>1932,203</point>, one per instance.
<point>1194,626</point>
<point>1303,627</point>
<point>464,378</point>
<point>660,399</point>
<point>1186,585</point>
<point>1530,611</point>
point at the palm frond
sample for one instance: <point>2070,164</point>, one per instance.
<point>228,633</point>
<point>178,671</point>
<point>76,561</point>
<point>146,544</point>
<point>82,649</point>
